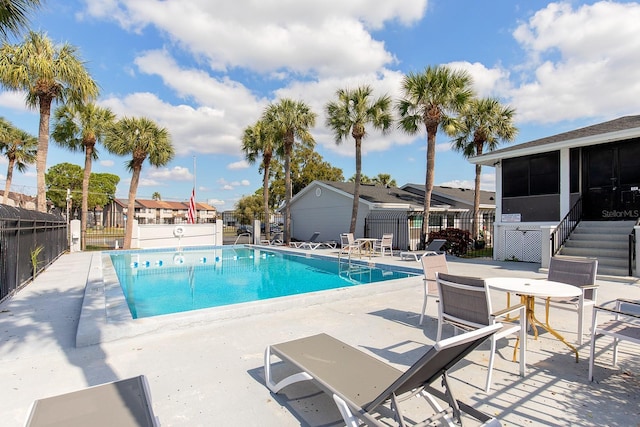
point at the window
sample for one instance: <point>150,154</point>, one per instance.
<point>531,175</point>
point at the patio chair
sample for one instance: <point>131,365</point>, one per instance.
<point>364,387</point>
<point>348,245</point>
<point>431,264</point>
<point>384,244</point>
<point>465,303</point>
<point>624,326</point>
<point>308,243</point>
<point>580,272</point>
<point>433,248</point>
<point>123,403</point>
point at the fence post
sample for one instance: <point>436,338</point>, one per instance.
<point>545,242</point>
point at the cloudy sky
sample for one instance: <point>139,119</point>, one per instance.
<point>206,69</point>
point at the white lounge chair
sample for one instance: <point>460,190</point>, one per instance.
<point>432,249</point>
<point>307,243</point>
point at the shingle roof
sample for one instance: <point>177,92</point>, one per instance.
<point>620,124</point>
<point>378,194</point>
<point>440,193</point>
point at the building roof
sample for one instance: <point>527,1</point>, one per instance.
<point>378,194</point>
<point>163,204</point>
<point>379,197</point>
<point>627,127</point>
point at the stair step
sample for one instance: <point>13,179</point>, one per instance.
<point>594,252</point>
<point>611,224</point>
<point>608,241</point>
<point>596,244</point>
<point>613,271</point>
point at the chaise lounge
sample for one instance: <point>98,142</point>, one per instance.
<point>433,248</point>
<point>123,403</point>
<point>363,387</point>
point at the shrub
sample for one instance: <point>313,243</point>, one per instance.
<point>458,240</point>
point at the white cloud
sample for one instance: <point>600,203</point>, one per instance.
<point>215,202</point>
<point>242,164</point>
<point>177,173</point>
<point>486,81</point>
<point>583,62</point>
<point>14,100</point>
<point>299,37</point>
<point>107,163</point>
<point>193,130</point>
<point>225,185</point>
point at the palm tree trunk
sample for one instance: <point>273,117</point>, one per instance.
<point>131,205</point>
<point>287,188</point>
<point>356,187</point>
<point>41,156</point>
<point>265,198</point>
<point>428,184</point>
<point>88,152</point>
<point>476,203</point>
<point>7,185</point>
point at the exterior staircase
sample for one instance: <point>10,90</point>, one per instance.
<point>608,241</point>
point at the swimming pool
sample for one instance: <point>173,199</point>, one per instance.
<point>156,283</point>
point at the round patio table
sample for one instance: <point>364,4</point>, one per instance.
<point>529,289</point>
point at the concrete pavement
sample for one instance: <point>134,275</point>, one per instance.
<point>209,371</point>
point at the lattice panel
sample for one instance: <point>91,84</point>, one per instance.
<point>523,245</point>
<point>531,246</point>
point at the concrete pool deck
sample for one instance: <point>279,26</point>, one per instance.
<point>210,372</point>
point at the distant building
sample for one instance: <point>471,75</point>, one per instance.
<point>155,212</point>
<point>325,207</point>
<point>591,172</point>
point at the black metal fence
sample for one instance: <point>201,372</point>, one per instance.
<point>29,242</point>
<point>407,227</point>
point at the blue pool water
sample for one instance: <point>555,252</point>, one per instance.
<point>156,283</point>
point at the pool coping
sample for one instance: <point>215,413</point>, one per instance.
<point>105,315</point>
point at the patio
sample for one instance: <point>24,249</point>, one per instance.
<point>210,371</point>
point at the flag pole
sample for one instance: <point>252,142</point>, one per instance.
<point>194,175</point>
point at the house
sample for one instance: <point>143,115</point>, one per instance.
<point>326,206</point>
<point>155,212</point>
<point>588,176</point>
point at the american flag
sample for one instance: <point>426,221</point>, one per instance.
<point>192,208</point>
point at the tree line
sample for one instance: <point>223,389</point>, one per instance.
<point>438,98</point>
<point>49,74</point>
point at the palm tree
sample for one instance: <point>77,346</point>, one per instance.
<point>430,98</point>
<point>47,73</point>
<point>141,138</point>
<point>384,180</point>
<point>78,127</point>
<point>13,15</point>
<point>349,115</point>
<point>483,124</point>
<point>20,149</point>
<point>258,140</point>
<point>289,120</point>
<point>156,196</point>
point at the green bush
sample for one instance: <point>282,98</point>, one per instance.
<point>458,240</point>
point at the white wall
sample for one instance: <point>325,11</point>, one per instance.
<point>165,235</point>
<point>329,213</point>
